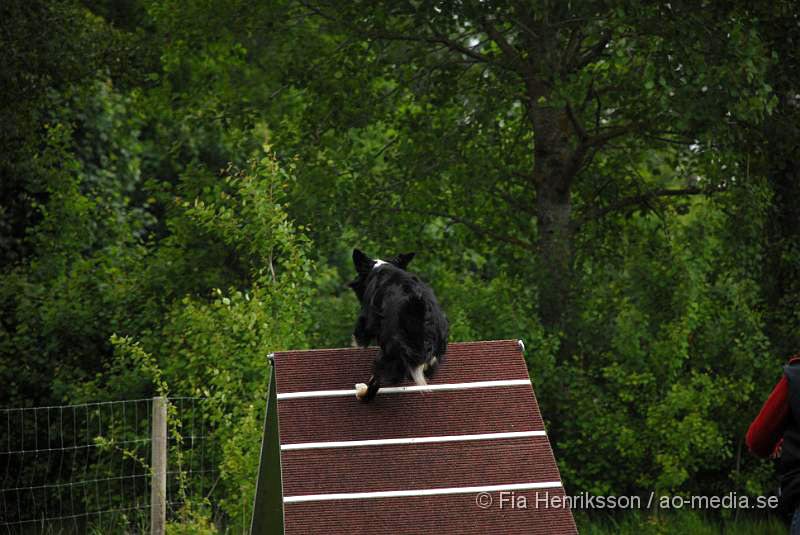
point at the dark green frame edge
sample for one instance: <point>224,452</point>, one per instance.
<point>268,504</point>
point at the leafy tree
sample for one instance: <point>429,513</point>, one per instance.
<point>54,53</point>
<point>214,344</point>
<point>554,156</point>
<point>568,147</point>
<point>543,113</point>
<point>125,222</point>
<point>616,183</point>
<point>771,149</point>
<point>77,240</point>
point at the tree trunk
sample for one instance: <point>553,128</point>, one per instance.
<point>553,180</point>
<point>555,252</point>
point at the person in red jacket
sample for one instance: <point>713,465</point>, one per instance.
<point>775,433</point>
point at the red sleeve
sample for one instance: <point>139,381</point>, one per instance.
<point>767,429</point>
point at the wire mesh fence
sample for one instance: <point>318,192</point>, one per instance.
<point>86,468</point>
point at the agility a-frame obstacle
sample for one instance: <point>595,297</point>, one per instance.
<point>467,454</point>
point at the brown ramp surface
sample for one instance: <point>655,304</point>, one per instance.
<point>469,454</point>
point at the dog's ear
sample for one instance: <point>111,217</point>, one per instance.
<point>403,259</point>
<point>362,262</point>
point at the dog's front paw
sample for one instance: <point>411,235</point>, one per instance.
<point>361,390</point>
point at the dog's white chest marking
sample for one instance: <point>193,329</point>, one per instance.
<point>379,263</point>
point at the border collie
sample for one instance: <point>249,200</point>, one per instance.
<point>401,313</point>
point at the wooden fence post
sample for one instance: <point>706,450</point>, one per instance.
<point>158,486</point>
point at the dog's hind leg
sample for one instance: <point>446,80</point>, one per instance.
<point>418,374</point>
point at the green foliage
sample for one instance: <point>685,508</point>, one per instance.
<point>676,522</point>
<point>671,352</point>
<point>168,165</point>
<point>79,244</point>
<point>191,521</point>
<point>214,346</point>
<point>665,344</point>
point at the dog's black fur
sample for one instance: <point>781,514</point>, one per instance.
<point>402,314</point>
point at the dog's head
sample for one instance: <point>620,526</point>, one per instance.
<point>364,266</point>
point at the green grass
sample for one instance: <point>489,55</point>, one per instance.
<point>679,522</point>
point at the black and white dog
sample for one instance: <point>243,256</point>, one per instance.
<point>401,313</point>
